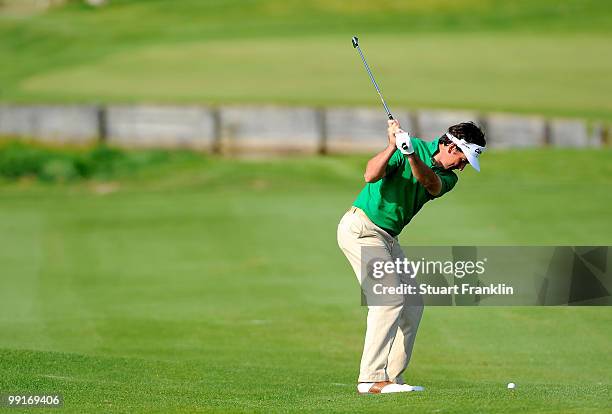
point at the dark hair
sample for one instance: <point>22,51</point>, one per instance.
<point>465,130</point>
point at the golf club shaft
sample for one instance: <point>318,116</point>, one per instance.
<point>374,82</point>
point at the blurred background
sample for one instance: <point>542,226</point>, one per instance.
<point>172,174</point>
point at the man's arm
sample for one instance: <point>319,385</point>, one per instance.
<point>377,166</point>
<point>425,175</point>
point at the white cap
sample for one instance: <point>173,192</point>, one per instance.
<point>471,151</point>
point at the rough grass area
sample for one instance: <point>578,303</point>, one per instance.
<point>19,160</point>
<point>491,55</point>
<point>216,286</point>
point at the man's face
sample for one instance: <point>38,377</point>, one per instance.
<point>452,158</point>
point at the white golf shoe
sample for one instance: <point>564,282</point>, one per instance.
<point>386,387</point>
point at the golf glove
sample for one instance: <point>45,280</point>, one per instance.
<point>403,143</point>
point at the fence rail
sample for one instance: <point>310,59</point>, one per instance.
<point>274,129</point>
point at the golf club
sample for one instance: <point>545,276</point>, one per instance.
<point>355,42</point>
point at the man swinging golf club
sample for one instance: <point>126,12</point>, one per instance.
<point>399,181</point>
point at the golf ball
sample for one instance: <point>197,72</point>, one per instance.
<point>511,385</point>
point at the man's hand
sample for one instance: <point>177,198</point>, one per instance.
<point>376,168</point>
<point>392,129</point>
<point>403,143</point>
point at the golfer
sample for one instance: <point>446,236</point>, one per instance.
<point>399,181</point>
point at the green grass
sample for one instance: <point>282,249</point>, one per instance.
<point>19,160</point>
<point>216,285</point>
<point>488,55</point>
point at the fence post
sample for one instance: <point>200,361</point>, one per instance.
<point>102,124</point>
<point>321,120</point>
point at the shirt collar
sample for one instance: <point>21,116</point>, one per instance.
<point>433,147</point>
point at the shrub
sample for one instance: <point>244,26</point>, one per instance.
<point>18,159</point>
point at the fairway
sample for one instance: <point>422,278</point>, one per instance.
<point>216,285</point>
<point>494,72</point>
<point>536,57</point>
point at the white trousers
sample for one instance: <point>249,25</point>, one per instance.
<point>391,330</point>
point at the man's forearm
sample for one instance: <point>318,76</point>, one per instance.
<point>425,175</point>
<point>375,170</point>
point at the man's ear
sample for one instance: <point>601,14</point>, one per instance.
<point>454,148</point>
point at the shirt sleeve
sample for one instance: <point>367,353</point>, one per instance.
<point>396,161</point>
<point>448,182</point>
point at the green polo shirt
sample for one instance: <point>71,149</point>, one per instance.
<point>394,200</point>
